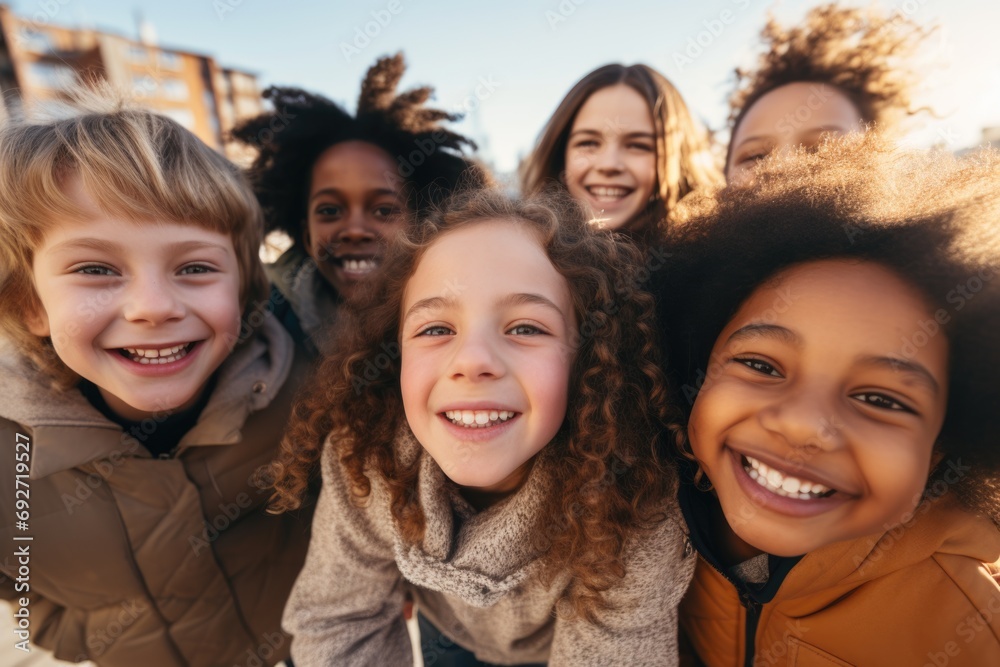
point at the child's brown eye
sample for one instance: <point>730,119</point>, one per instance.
<point>882,401</point>
<point>759,366</point>
<point>328,210</point>
<point>753,157</point>
<point>387,212</point>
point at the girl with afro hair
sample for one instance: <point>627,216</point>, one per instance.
<point>340,185</point>
<point>839,70</point>
<point>836,344</point>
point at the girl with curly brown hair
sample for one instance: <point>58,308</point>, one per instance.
<point>623,143</point>
<point>843,487</point>
<point>839,70</point>
<point>490,432</point>
<point>340,185</point>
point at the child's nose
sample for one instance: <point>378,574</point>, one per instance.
<point>805,419</point>
<point>357,228</point>
<point>152,300</point>
<point>476,359</point>
<point>609,159</point>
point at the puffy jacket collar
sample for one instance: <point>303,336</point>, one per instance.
<point>312,299</point>
<point>697,508</point>
<point>68,432</point>
<point>939,524</point>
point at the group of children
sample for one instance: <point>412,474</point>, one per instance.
<point>771,446</point>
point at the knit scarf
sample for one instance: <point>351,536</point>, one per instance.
<point>477,556</point>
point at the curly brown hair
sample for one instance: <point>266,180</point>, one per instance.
<point>610,459</point>
<point>861,52</point>
<point>303,125</point>
<point>929,217</point>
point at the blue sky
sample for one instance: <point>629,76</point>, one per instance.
<point>523,56</point>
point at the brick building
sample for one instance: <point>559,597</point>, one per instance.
<point>39,62</point>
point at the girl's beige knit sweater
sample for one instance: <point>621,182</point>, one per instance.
<point>474,578</point>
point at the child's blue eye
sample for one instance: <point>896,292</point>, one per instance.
<point>435,331</point>
<point>95,270</point>
<point>882,401</point>
<point>759,366</point>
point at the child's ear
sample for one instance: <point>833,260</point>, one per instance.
<point>38,322</point>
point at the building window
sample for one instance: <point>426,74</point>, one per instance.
<point>37,41</point>
<point>183,116</point>
<point>175,89</point>
<point>137,54</point>
<point>143,85</point>
<point>51,75</point>
<point>170,61</point>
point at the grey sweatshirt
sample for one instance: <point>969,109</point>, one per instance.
<point>474,577</point>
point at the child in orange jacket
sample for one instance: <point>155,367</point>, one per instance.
<point>837,334</point>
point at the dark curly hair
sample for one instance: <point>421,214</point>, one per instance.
<point>929,217</point>
<point>303,125</point>
<point>610,458</point>
<point>861,52</point>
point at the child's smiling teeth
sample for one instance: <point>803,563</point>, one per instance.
<point>783,484</point>
<point>359,265</point>
<point>609,194</point>
<point>166,355</point>
<point>478,418</point>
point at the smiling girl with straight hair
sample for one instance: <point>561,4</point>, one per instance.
<point>623,143</point>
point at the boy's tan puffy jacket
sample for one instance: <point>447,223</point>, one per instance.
<point>926,593</point>
<point>140,562</point>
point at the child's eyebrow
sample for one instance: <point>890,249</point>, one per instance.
<point>754,137</point>
<point>503,302</point>
<point>760,330</point>
<point>104,245</point>
<point>336,193</point>
<point>598,133</point>
<point>918,371</point>
<point>427,304</point>
<point>527,298</point>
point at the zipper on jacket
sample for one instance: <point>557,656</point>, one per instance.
<point>753,617</point>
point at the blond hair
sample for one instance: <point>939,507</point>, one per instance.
<point>137,166</point>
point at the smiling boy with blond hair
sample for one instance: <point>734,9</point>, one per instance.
<point>144,382</point>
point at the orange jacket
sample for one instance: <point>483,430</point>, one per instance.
<point>924,594</point>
